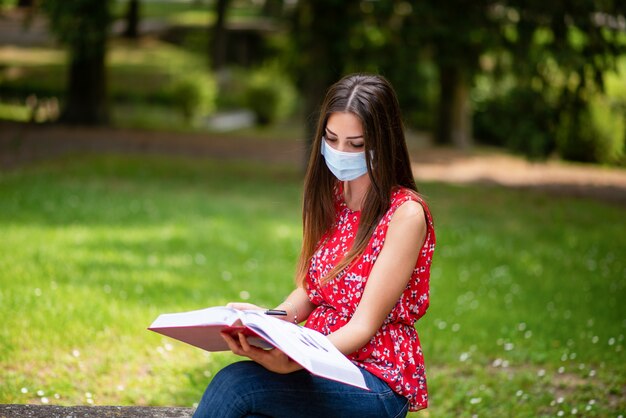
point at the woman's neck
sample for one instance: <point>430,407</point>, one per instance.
<point>354,192</point>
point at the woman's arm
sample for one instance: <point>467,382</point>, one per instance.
<point>297,305</point>
<point>388,279</point>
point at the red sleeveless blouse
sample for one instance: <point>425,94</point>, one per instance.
<point>394,353</point>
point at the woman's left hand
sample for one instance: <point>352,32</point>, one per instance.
<point>273,360</point>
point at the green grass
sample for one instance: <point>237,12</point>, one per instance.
<point>140,71</point>
<point>526,317</point>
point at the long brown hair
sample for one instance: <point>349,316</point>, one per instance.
<point>372,99</point>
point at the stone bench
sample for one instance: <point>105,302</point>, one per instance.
<point>52,411</point>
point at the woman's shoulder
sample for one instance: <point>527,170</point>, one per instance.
<point>406,202</point>
<point>400,195</point>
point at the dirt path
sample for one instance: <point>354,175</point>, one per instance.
<point>23,144</point>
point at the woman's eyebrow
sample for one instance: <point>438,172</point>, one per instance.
<point>348,137</point>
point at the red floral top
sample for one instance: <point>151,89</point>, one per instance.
<point>394,353</point>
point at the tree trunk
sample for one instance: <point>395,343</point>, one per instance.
<point>219,41</point>
<point>86,101</point>
<point>454,123</point>
<point>323,50</point>
<point>132,20</point>
<point>273,8</point>
<point>25,3</point>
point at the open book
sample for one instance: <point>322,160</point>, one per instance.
<point>307,347</point>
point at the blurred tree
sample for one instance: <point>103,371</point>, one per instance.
<point>219,35</point>
<point>321,40</point>
<point>273,8</point>
<point>559,54</point>
<point>83,26</point>
<point>456,32</point>
<point>562,51</point>
<point>132,19</point>
<point>25,3</point>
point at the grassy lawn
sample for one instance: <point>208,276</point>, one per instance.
<point>525,316</point>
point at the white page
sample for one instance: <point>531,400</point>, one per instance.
<point>219,315</point>
<point>307,347</point>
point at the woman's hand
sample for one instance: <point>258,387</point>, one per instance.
<point>273,360</point>
<point>242,306</point>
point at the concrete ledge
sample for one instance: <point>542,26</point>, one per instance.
<point>52,411</point>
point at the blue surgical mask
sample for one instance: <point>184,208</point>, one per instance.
<point>345,166</point>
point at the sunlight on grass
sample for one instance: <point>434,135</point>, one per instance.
<point>16,112</point>
<point>526,314</point>
<point>32,55</point>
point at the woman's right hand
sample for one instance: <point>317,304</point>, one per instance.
<point>242,306</point>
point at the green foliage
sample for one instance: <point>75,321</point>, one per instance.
<point>93,249</point>
<point>595,134</point>
<point>521,120</point>
<point>194,94</point>
<point>525,121</point>
<point>79,23</point>
<point>7,4</point>
<point>14,112</point>
<point>138,74</point>
<point>269,94</point>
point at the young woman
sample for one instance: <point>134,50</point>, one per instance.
<point>363,273</point>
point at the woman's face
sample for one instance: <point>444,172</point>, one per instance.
<point>344,132</point>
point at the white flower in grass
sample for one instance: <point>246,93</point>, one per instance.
<point>44,400</point>
<point>244,295</point>
<point>24,390</point>
<point>475,401</point>
<point>40,392</point>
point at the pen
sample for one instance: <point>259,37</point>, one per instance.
<point>276,312</point>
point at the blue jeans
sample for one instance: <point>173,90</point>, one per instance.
<point>247,389</point>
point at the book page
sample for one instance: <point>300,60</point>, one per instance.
<point>200,328</point>
<point>309,348</point>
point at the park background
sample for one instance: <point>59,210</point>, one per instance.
<point>152,157</point>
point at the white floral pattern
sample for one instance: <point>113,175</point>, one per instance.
<point>394,353</point>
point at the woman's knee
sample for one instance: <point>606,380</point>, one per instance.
<point>222,397</point>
